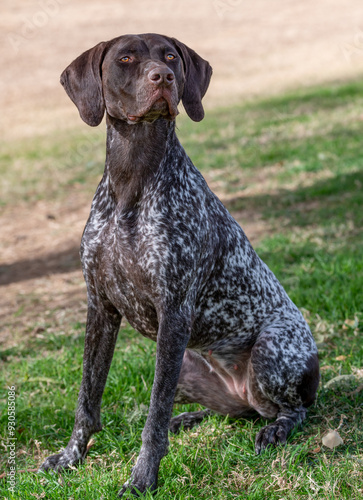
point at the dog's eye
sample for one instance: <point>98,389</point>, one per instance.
<point>125,59</point>
<point>170,57</point>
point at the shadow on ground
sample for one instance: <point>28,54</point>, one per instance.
<point>339,199</point>
<point>53,263</point>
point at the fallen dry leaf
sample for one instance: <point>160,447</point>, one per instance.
<point>351,323</point>
<point>341,358</point>
<point>332,439</point>
<point>340,381</point>
<point>342,417</point>
<point>358,372</point>
<point>90,444</point>
<point>356,391</point>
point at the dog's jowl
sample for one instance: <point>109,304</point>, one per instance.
<point>160,249</point>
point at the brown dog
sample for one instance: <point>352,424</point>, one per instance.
<point>160,249</point>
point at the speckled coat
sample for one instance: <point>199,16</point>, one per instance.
<point>160,249</point>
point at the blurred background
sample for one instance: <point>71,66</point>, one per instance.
<point>255,47</point>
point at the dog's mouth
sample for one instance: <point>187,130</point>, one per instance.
<point>161,106</point>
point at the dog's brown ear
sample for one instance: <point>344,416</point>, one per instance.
<point>198,73</point>
<point>82,82</point>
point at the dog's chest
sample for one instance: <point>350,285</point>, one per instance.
<point>179,246</point>
<point>123,257</point>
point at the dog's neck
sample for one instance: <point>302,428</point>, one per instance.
<point>134,154</point>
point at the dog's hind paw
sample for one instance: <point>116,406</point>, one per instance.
<point>187,420</point>
<point>271,435</point>
<point>276,433</point>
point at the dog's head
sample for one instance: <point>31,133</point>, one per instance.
<point>137,78</point>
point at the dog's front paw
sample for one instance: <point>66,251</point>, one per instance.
<point>132,488</point>
<point>63,460</point>
<point>271,435</point>
<point>142,479</point>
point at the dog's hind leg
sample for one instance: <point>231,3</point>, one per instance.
<point>101,333</point>
<point>278,379</point>
<point>285,366</point>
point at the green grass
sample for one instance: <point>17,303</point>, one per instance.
<point>49,167</point>
<point>300,156</point>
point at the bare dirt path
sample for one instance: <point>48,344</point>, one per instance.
<point>255,47</point>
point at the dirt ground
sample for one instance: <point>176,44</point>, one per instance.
<point>258,47</point>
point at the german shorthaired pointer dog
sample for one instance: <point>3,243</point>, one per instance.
<point>160,249</point>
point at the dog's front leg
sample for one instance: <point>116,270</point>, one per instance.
<point>103,323</point>
<point>173,335</point>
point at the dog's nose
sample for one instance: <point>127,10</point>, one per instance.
<point>161,76</point>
